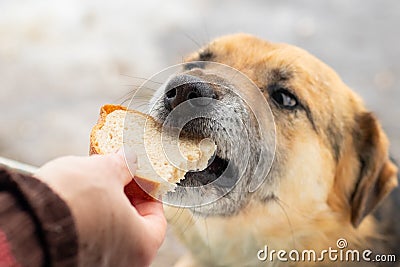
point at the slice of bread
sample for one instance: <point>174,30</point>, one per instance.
<point>162,161</point>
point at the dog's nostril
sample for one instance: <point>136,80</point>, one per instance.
<point>171,93</point>
<point>192,95</point>
<point>186,87</point>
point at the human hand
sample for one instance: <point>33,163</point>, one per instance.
<point>111,231</point>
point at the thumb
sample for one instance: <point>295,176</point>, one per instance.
<point>130,160</point>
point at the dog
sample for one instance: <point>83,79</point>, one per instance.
<point>330,176</point>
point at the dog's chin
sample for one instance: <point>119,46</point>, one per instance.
<point>211,188</point>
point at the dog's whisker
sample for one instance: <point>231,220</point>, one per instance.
<point>188,224</point>
<point>130,93</point>
<point>136,87</point>
<point>281,205</point>
<point>192,39</point>
<point>207,237</point>
<point>208,38</point>
<point>180,210</point>
<point>178,213</point>
<point>141,78</point>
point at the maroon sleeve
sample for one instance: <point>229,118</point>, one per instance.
<point>36,225</point>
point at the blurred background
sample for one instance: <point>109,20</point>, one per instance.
<point>61,60</point>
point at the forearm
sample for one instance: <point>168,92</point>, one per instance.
<point>36,226</point>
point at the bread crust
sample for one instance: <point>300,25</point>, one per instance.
<point>104,111</point>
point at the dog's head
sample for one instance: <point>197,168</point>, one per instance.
<point>330,151</point>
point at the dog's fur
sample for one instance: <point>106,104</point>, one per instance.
<point>330,172</point>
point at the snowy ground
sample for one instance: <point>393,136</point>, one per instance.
<point>61,60</point>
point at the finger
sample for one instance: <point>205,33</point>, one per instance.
<point>148,231</point>
<point>150,207</point>
<point>112,166</point>
<point>55,167</point>
<point>152,213</point>
<point>130,165</point>
<point>130,158</point>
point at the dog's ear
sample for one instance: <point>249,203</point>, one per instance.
<point>377,175</point>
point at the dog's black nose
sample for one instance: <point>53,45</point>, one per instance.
<point>185,87</point>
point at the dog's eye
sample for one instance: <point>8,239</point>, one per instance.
<point>284,98</point>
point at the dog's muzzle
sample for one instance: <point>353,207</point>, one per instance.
<point>196,95</point>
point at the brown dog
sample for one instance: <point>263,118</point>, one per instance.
<point>330,171</point>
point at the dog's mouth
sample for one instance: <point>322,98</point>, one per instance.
<point>209,175</point>
<point>221,170</point>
